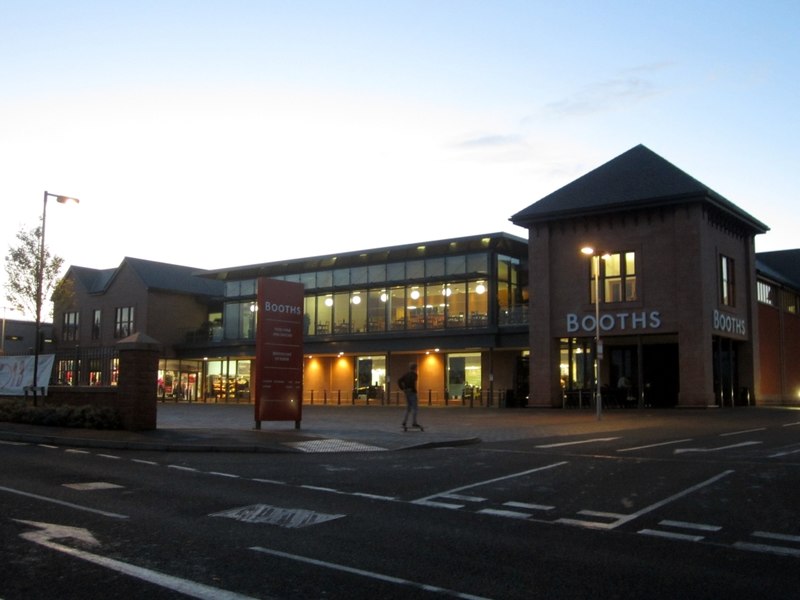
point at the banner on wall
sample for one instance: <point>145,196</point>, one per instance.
<point>279,351</point>
<point>16,373</point>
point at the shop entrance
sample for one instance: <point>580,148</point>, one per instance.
<point>661,375</point>
<point>726,371</point>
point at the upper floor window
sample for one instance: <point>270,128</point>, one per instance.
<point>727,282</point>
<point>70,327</point>
<point>766,293</point>
<point>96,324</point>
<point>123,322</point>
<point>618,278</point>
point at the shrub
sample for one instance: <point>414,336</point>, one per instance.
<point>85,417</point>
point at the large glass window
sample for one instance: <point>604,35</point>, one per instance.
<point>436,301</point>
<point>370,381</point>
<point>123,322</point>
<point>464,376</point>
<point>478,303</point>
<point>358,311</point>
<point>456,300</point>
<point>397,308</point>
<point>727,281</point>
<point>324,314</point>
<point>415,307</point>
<point>377,301</point>
<point>240,320</point>
<point>512,291</point>
<point>70,326</point>
<point>620,277</point>
<point>310,315</point>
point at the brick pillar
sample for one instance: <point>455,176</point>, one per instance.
<point>138,380</point>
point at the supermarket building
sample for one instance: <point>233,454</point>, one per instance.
<point>689,314</point>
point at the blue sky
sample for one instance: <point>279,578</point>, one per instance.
<point>214,134</point>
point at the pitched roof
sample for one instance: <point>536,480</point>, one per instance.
<point>638,178</point>
<point>154,276</point>
<point>781,265</point>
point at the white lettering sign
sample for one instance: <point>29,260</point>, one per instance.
<point>728,324</point>
<point>621,321</point>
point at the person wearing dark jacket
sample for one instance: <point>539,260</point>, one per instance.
<point>408,383</point>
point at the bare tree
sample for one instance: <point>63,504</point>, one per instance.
<point>22,268</point>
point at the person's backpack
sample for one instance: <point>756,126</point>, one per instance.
<point>402,383</point>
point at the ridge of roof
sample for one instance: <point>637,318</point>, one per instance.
<point>637,178</point>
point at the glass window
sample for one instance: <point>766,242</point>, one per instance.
<point>324,279</point>
<point>766,293</point>
<point>96,320</point>
<point>309,280</point>
<point>324,314</point>
<point>377,273</point>
<point>726,284</point>
<point>377,301</point>
<point>434,267</point>
<point>240,320</point>
<point>358,275</point>
<point>396,272</point>
<point>370,377</point>
<point>310,315</point>
<point>123,322</point>
<point>436,301</point>
<point>358,311</point>
<point>341,277</point>
<point>70,326</point>
<point>456,304</point>
<point>456,265</point>
<point>478,263</point>
<point>396,308</point>
<point>415,307</point>
<point>619,277</point>
<point>415,269</point>
<point>341,312</point>
<point>464,376</point>
<point>478,304</point>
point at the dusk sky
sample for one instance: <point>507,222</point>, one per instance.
<point>215,134</point>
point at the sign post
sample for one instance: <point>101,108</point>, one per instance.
<point>279,352</point>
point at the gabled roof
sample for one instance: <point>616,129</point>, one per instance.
<point>781,265</point>
<point>154,276</point>
<point>638,178</point>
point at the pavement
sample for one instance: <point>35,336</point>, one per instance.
<point>347,428</point>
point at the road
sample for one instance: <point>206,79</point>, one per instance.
<point>709,511</point>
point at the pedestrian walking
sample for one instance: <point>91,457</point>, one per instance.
<point>408,383</point>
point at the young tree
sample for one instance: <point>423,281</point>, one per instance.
<point>22,269</point>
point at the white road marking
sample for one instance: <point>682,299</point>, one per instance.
<point>92,485</point>
<point>111,456</point>
<point>791,424</point>
<point>463,498</point>
<point>48,446</point>
<point>647,509</point>
<point>717,449</point>
<point>654,445</point>
<point>671,535</point>
<point>777,536</point>
<point>290,518</point>
<point>768,549</point>
<point>528,505</point>
<point>219,474</point>
<point>371,574</point>
<point>426,499</point>
<point>686,525</point>
<point>13,443</point>
<point>180,468</point>
<point>274,481</point>
<point>74,451</point>
<point>63,503</point>
<point>514,514</point>
<point>144,462</point>
<point>184,586</point>
<point>741,432</point>
<point>785,453</point>
<point>561,444</point>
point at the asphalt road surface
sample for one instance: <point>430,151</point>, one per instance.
<point>708,511</point>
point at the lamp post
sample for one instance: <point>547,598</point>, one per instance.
<point>40,284</point>
<point>598,355</point>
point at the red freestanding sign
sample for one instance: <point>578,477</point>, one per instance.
<point>279,352</point>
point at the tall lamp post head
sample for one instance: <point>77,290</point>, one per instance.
<point>40,284</point>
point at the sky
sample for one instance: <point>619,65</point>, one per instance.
<point>223,133</point>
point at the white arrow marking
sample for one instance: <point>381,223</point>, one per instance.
<point>46,532</point>
<point>684,450</point>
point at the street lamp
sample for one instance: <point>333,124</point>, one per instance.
<point>40,284</point>
<point>598,355</point>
